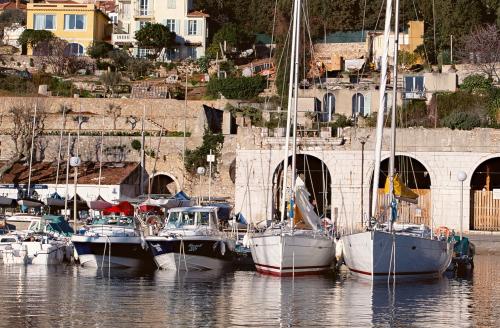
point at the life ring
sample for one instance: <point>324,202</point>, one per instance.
<point>443,231</point>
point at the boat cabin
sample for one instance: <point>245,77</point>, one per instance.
<point>192,217</point>
<point>112,220</point>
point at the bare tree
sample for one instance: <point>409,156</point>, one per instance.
<point>22,131</point>
<point>114,111</point>
<point>59,59</point>
<point>482,46</point>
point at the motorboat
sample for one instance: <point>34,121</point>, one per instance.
<point>112,241</point>
<point>191,240</point>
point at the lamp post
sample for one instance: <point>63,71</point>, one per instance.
<point>200,171</point>
<point>461,176</point>
<point>362,140</point>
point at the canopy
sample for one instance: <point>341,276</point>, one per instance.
<point>306,209</point>
<point>123,207</point>
<point>7,202</point>
<point>99,204</point>
<point>401,191</point>
<point>57,223</point>
<point>55,200</point>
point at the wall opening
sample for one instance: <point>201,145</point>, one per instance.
<point>163,184</point>
<point>485,196</point>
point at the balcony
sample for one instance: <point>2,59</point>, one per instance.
<point>144,13</point>
<point>121,38</point>
<point>414,94</point>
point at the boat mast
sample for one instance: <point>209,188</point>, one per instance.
<point>143,159</point>
<point>289,110</point>
<point>391,218</point>
<point>100,156</point>
<point>295,102</point>
<point>60,146</point>
<point>31,150</point>
<point>380,114</point>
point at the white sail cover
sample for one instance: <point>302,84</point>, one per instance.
<point>306,208</point>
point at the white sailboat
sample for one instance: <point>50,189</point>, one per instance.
<point>385,250</point>
<point>282,249</point>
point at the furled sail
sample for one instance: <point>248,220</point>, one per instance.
<point>401,191</point>
<point>305,207</point>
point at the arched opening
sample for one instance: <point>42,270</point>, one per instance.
<point>485,196</point>
<point>328,106</point>
<point>416,177</point>
<point>358,104</point>
<point>74,49</point>
<point>163,184</point>
<point>316,176</point>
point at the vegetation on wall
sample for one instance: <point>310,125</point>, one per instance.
<point>236,87</point>
<point>198,157</point>
<point>155,37</point>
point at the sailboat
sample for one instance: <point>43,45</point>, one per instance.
<point>283,249</point>
<point>387,249</point>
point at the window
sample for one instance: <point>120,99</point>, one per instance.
<point>191,52</point>
<point>414,83</point>
<point>144,8</point>
<point>44,22</point>
<point>192,27</point>
<point>171,54</point>
<point>358,104</point>
<point>170,23</point>
<point>171,4</point>
<point>328,106</point>
<point>75,49</point>
<point>74,22</point>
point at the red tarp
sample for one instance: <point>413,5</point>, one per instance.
<point>124,208</point>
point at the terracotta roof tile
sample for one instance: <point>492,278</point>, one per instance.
<point>88,173</point>
<point>12,5</point>
<point>197,14</point>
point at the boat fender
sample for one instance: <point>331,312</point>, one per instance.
<point>339,250</point>
<point>443,231</point>
<point>220,247</point>
<point>246,241</point>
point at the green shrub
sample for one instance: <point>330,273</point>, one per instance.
<point>476,84</point>
<point>136,144</point>
<point>99,49</point>
<point>462,121</point>
<point>198,157</point>
<point>236,87</point>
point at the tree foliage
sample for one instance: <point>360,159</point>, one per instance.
<point>235,38</point>
<point>198,157</point>
<point>236,87</point>
<point>155,37</point>
<point>35,38</point>
<point>462,121</point>
<point>99,49</point>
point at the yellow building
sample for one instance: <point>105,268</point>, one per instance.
<point>77,23</point>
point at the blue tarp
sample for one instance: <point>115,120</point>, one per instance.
<point>182,196</point>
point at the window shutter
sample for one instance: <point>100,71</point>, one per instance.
<point>186,27</point>
<point>177,26</point>
<point>367,108</point>
<point>199,27</point>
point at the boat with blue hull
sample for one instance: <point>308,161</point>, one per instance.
<point>112,241</point>
<point>191,240</point>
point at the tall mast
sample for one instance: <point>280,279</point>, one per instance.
<point>100,156</point>
<point>295,98</point>
<point>380,114</point>
<point>391,218</point>
<point>289,111</point>
<point>60,146</point>
<point>31,150</point>
<point>143,160</point>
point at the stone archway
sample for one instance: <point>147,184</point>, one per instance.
<point>414,175</point>
<point>317,178</point>
<point>485,196</point>
<point>163,183</point>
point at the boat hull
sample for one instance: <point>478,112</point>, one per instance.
<point>190,254</point>
<point>292,255</point>
<point>35,253</point>
<point>115,252</point>
<point>368,255</point>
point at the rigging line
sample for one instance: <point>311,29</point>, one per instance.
<point>416,16</point>
<point>313,54</point>
<point>157,155</point>
<point>362,29</point>
<point>271,47</point>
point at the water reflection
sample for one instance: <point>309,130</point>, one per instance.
<point>38,296</point>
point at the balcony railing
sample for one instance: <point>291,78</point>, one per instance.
<point>122,38</point>
<point>144,13</point>
<point>414,94</point>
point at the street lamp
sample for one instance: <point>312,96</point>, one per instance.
<point>200,171</point>
<point>461,176</point>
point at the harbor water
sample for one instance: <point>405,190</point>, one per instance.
<point>71,296</point>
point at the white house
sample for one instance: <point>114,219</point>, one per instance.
<point>11,35</point>
<point>189,26</point>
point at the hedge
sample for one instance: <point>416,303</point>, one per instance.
<point>236,87</point>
